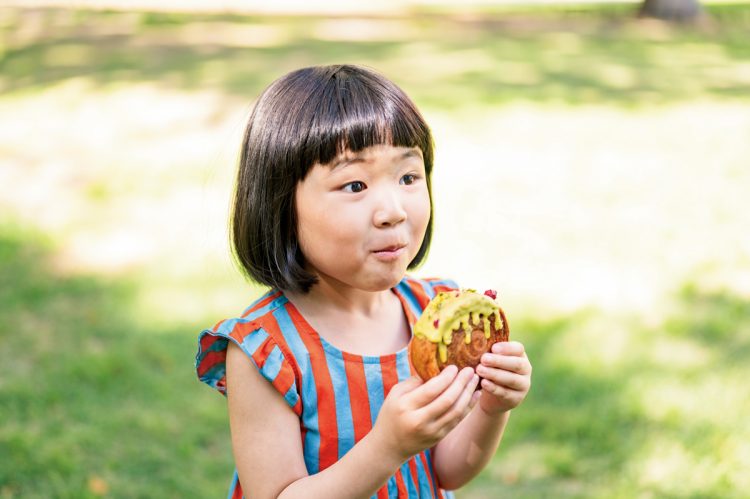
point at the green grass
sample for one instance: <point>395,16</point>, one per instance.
<point>572,55</point>
<point>90,395</point>
<point>98,396</point>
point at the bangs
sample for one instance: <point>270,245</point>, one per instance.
<point>350,109</point>
<point>309,116</point>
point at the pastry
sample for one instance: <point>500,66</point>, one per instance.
<point>456,327</point>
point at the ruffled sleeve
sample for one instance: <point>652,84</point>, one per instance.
<point>261,349</point>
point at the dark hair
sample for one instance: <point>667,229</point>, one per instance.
<point>310,116</point>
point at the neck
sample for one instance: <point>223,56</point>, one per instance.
<point>334,296</point>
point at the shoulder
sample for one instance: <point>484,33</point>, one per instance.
<point>419,292</point>
<point>259,332</point>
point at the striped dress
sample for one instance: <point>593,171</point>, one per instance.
<point>336,395</point>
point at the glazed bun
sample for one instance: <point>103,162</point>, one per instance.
<point>456,327</point>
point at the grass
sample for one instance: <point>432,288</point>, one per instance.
<point>97,403</point>
<point>574,55</point>
<point>94,402</point>
<point>612,157</point>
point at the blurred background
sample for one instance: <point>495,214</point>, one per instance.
<point>593,165</point>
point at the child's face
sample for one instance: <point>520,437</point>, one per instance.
<point>362,217</point>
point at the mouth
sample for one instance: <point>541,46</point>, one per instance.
<point>389,253</point>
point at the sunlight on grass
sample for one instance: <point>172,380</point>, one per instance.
<point>595,174</point>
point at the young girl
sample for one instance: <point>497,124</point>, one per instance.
<point>332,206</point>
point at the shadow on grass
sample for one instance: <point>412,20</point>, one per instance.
<point>94,402</point>
<point>555,54</point>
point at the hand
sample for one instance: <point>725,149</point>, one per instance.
<point>416,415</point>
<point>506,373</point>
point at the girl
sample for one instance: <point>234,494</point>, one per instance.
<point>332,206</point>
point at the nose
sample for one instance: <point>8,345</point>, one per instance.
<point>389,210</point>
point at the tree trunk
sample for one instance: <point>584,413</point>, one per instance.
<point>684,11</point>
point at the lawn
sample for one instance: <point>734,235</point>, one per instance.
<point>592,168</point>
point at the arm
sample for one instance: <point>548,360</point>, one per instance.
<point>267,443</point>
<point>466,450</point>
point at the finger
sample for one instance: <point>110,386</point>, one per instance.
<point>427,392</point>
<point>499,391</point>
<point>407,385</point>
<point>515,348</point>
<point>507,379</point>
<point>511,363</point>
<point>444,402</point>
<point>461,406</point>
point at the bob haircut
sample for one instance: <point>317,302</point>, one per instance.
<point>311,115</point>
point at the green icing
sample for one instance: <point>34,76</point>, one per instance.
<point>453,310</point>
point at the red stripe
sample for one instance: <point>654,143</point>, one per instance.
<point>242,329</point>
<point>388,372</point>
<point>419,293</point>
<point>383,492</point>
<point>265,301</point>
<point>390,377</point>
<point>414,473</point>
<point>288,368</point>
<point>237,494</point>
<point>209,339</point>
<point>284,380</point>
<point>400,485</point>
<point>360,400</point>
<point>260,355</point>
<point>443,288</point>
<point>327,424</point>
<point>428,472</point>
<point>209,360</point>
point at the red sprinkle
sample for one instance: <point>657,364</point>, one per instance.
<point>437,321</point>
<point>491,293</point>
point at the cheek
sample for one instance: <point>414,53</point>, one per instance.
<point>419,212</point>
<point>327,230</point>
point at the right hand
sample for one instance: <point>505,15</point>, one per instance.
<point>416,415</point>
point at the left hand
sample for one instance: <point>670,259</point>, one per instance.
<point>506,377</point>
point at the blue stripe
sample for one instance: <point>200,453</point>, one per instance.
<point>374,379</point>
<point>213,375</point>
<point>291,395</point>
<point>406,473</point>
<point>272,366</point>
<point>263,310</point>
<point>344,419</point>
<point>402,365</point>
<point>392,488</point>
<point>430,468</point>
<point>408,295</point>
<point>449,283</point>
<point>233,485</point>
<point>423,478</point>
<point>253,341</point>
<point>308,390</point>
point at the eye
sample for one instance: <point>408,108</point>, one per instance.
<point>354,187</point>
<point>408,179</point>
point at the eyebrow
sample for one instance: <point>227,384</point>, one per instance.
<point>344,160</point>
